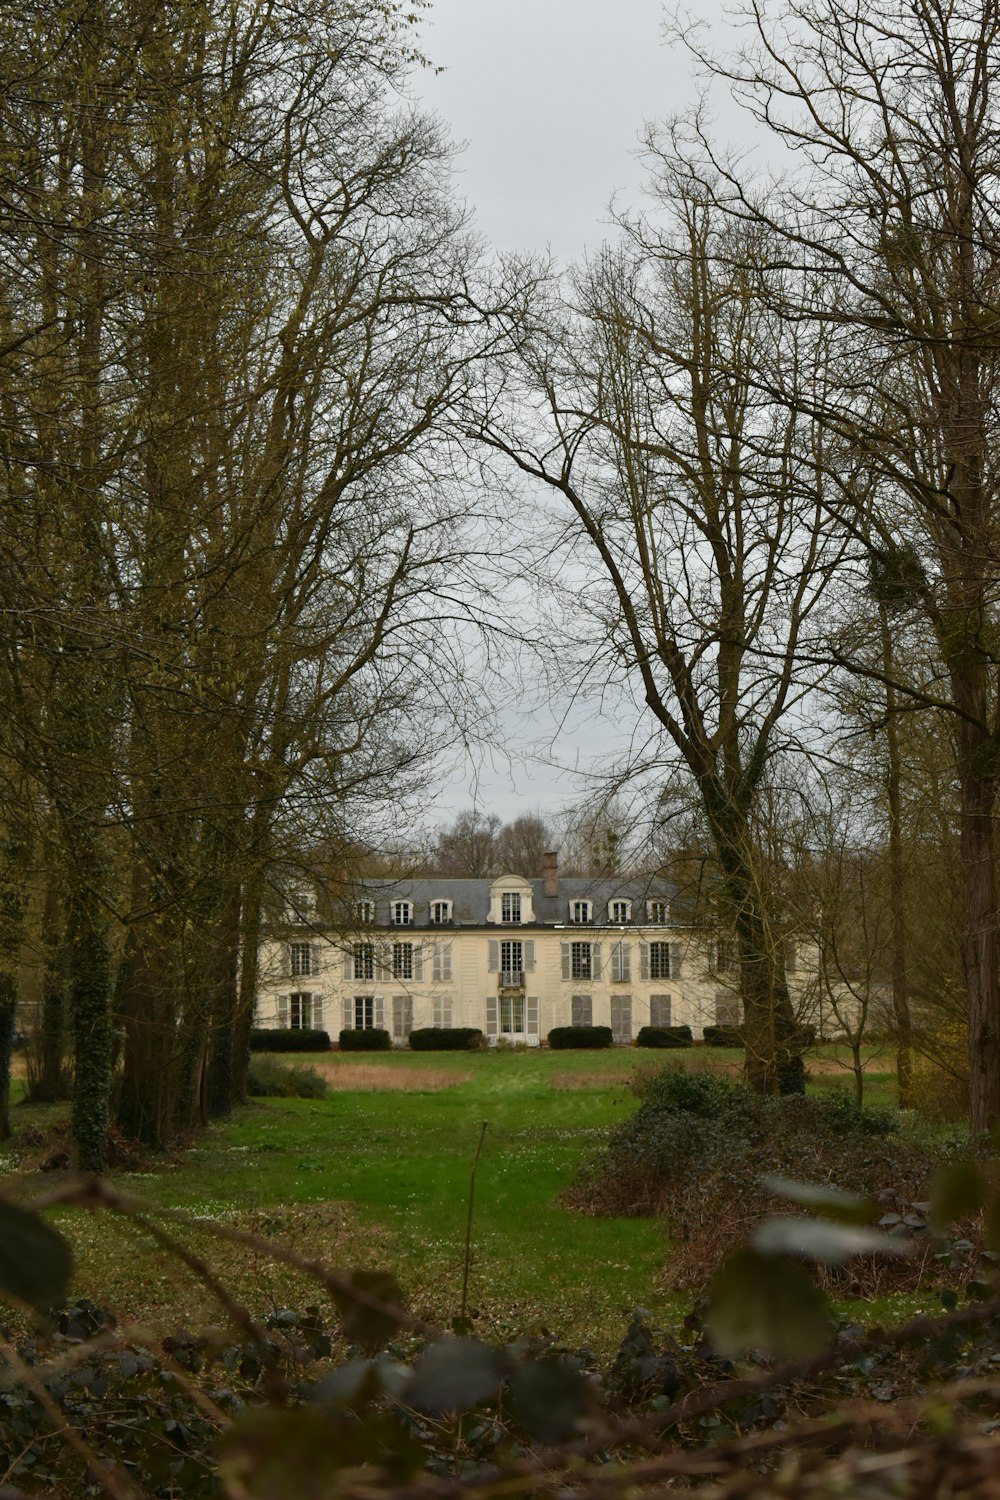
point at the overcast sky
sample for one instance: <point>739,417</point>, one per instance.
<point>549,98</point>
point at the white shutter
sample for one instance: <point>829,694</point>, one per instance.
<point>442,1012</point>
<point>626,961</point>
<point>402,1017</point>
<point>348,1013</point>
<point>283,1012</point>
<point>675,960</point>
<point>660,1010</point>
<point>596,955</point>
<point>531,1015</point>
<point>564,951</point>
<point>494,956</point>
<point>315,958</point>
<point>288,961</point>
<point>317,1013</point>
<point>492,1017</point>
<point>446,961</point>
<point>380,1012</point>
<point>529,956</point>
<point>616,961</point>
<point>582,1011</point>
<point>418,962</point>
<point>383,964</point>
<point>349,963</point>
<point>643,960</point>
<point>437,970</point>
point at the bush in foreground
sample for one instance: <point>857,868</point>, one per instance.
<point>580,1036</point>
<point>281,1039</point>
<point>699,1144</point>
<point>270,1079</point>
<point>366,1039</point>
<point>664,1036</point>
<point>446,1039</point>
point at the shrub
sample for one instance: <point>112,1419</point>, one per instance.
<point>580,1036</point>
<point>840,1111</point>
<point>699,1144</point>
<point>446,1039</point>
<point>269,1078</point>
<point>275,1039</point>
<point>367,1039</point>
<point>723,1036</point>
<point>664,1036</point>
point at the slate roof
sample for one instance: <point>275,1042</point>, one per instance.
<point>471,899</point>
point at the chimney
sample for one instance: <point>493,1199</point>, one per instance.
<point>550,873</point>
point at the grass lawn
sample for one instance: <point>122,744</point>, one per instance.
<point>377,1174</point>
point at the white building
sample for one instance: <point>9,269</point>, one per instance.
<point>511,956</point>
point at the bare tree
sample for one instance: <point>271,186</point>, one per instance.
<point>695,524</point>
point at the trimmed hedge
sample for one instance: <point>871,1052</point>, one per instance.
<point>734,1036</point>
<point>580,1036</point>
<point>368,1039</point>
<point>723,1036</point>
<point>273,1039</point>
<point>446,1039</point>
<point>664,1036</point>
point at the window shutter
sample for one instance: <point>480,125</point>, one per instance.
<point>437,968</point>
<point>643,960</point>
<point>288,960</point>
<point>446,961</point>
<point>402,1017</point>
<point>660,1010</point>
<point>348,1013</point>
<point>529,956</point>
<point>283,1012</point>
<point>675,960</point>
<point>317,1015</point>
<point>712,956</point>
<point>383,964</point>
<point>626,953</point>
<point>616,961</point>
<point>531,1016</point>
<point>494,956</point>
<point>315,958</point>
<point>596,956</point>
<point>379,1011</point>
<point>564,950</point>
<point>492,1019</point>
<point>582,1011</point>
<point>418,962</point>
<point>349,964</point>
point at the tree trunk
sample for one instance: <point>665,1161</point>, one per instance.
<point>90,998</point>
<point>979,947</point>
<point>897,878</point>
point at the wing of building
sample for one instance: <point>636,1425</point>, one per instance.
<point>512,956</point>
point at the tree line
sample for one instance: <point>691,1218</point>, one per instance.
<point>252,374</point>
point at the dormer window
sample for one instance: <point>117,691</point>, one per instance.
<point>657,912</point>
<point>440,912</point>
<point>620,911</point>
<point>364,913</point>
<point>300,905</point>
<point>402,914</point>
<point>579,911</point>
<point>510,906</point>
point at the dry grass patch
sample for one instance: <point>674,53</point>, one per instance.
<point>376,1078</point>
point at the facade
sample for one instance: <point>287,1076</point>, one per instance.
<point>512,956</point>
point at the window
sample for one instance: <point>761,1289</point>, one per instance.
<point>441,1013</point>
<point>402,960</point>
<point>579,911</point>
<point>621,963</point>
<point>511,1014</point>
<point>620,911</point>
<point>402,1017</point>
<point>727,1008</point>
<point>364,1012</point>
<point>300,905</point>
<point>440,912</point>
<point>720,956</point>
<point>657,912</point>
<point>580,965</point>
<point>402,913</point>
<point>659,960</point>
<point>364,913</point>
<point>621,1019</point>
<point>364,961</point>
<point>300,1012</point>
<point>442,962</point>
<point>510,906</point>
<point>582,1011</point>
<point>511,963</point>
<point>300,958</point>
<point>659,1010</point>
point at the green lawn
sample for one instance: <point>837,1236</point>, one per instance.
<point>377,1177</point>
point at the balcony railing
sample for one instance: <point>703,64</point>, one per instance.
<point>512,979</point>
